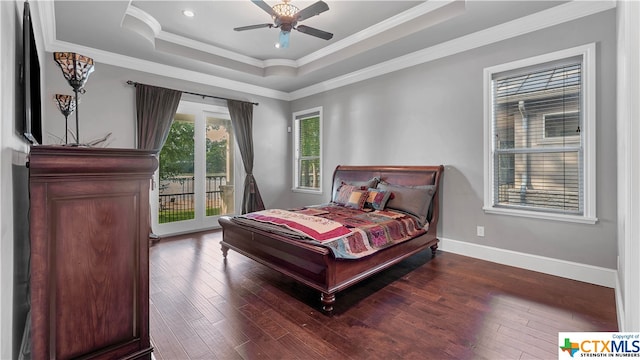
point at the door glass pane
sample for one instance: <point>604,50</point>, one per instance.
<point>176,172</point>
<point>219,166</point>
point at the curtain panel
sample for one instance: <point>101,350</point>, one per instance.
<point>242,121</point>
<point>155,110</point>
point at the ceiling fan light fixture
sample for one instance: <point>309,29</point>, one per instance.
<point>285,9</point>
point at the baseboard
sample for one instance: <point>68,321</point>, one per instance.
<point>567,269</point>
<point>162,235</point>
<point>620,306</point>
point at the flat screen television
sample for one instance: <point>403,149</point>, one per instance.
<point>30,82</point>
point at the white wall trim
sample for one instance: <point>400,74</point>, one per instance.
<point>557,15</point>
<point>131,63</point>
<point>628,132</point>
<point>375,30</point>
<point>620,305</point>
<point>554,16</point>
<point>563,268</point>
<point>6,252</point>
<point>153,30</point>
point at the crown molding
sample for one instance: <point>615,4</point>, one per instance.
<point>195,44</point>
<point>562,13</point>
<point>557,15</point>
<point>143,16</point>
<point>154,31</point>
<point>127,62</point>
<point>377,29</point>
<point>142,23</point>
<point>47,21</point>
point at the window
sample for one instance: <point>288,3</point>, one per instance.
<point>539,136</point>
<point>307,130</point>
<point>196,170</point>
<point>561,125</point>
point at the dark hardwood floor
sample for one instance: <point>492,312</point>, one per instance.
<point>447,307</point>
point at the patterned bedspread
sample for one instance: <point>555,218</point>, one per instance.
<point>349,233</point>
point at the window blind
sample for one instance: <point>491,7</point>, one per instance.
<point>538,138</point>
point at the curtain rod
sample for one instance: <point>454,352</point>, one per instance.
<point>129,82</point>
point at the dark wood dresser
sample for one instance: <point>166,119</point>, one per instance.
<point>89,229</point>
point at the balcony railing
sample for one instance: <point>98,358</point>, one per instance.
<point>176,197</point>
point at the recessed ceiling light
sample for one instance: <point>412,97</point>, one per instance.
<point>277,45</point>
<point>188,13</point>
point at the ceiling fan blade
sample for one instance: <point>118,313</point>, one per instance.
<point>264,6</point>
<point>314,32</point>
<point>311,10</point>
<point>251,27</point>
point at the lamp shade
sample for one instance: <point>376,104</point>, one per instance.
<point>75,67</point>
<point>66,104</point>
<point>285,9</point>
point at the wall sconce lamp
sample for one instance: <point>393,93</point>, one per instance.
<point>66,104</point>
<point>76,69</point>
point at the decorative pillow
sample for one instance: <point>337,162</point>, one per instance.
<point>363,185</point>
<point>351,196</point>
<point>415,200</point>
<point>343,193</point>
<point>357,199</point>
<point>377,198</point>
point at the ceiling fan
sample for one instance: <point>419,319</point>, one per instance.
<point>286,17</point>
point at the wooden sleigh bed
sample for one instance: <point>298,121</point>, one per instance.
<point>316,265</point>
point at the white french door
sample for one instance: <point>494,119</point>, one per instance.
<point>195,179</point>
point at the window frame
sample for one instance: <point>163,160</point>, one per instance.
<point>588,104</point>
<point>296,118</point>
<point>552,139</point>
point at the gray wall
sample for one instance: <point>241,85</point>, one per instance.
<point>427,114</point>
<point>109,106</point>
<point>433,114</point>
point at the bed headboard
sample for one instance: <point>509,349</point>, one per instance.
<point>399,175</point>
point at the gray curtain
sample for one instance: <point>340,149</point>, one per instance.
<point>242,120</point>
<point>155,109</point>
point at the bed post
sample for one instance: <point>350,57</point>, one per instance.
<point>433,222</point>
<point>225,250</point>
<point>327,302</point>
